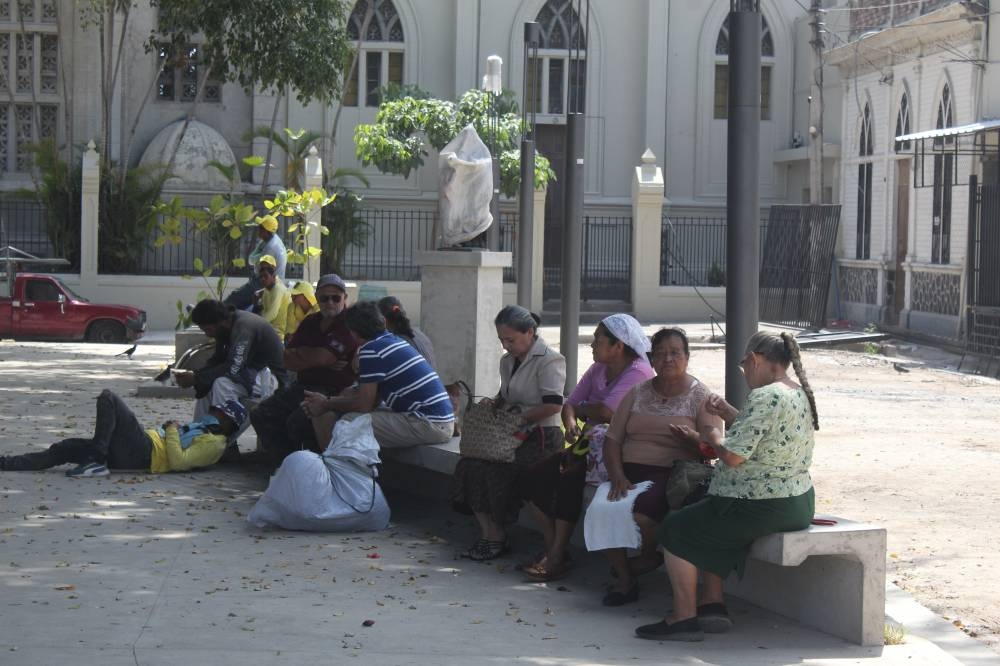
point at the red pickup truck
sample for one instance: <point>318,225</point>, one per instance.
<point>43,308</point>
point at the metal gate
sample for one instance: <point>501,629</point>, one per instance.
<point>795,264</point>
<point>982,318</point>
<point>606,270</point>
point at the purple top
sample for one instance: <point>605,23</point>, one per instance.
<point>594,387</point>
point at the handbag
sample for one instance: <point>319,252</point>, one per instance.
<point>489,432</point>
<point>688,482</point>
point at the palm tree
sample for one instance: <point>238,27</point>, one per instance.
<point>295,146</point>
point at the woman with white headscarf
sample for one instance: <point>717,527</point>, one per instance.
<point>555,486</point>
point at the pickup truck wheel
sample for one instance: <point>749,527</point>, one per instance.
<point>106,331</point>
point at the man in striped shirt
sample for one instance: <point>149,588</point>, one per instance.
<point>400,390</point>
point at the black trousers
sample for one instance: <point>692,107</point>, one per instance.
<point>281,425</point>
<point>119,442</point>
<point>242,298</point>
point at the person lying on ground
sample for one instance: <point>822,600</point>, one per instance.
<point>415,407</point>
<point>119,442</point>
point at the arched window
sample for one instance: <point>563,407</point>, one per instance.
<point>380,59</point>
<point>721,111</point>
<point>555,82</point>
<point>944,174</point>
<point>903,122</point>
<point>866,146</point>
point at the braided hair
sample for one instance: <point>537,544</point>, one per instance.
<point>784,350</point>
<point>395,316</point>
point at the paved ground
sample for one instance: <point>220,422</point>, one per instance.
<point>142,569</point>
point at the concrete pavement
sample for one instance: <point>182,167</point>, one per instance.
<point>143,569</point>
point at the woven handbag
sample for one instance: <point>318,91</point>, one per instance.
<point>488,433</point>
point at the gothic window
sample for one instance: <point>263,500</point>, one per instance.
<point>179,76</point>
<point>380,59</point>
<point>944,174</point>
<point>29,80</point>
<point>721,99</point>
<point>903,122</point>
<point>555,82</point>
<point>866,145</point>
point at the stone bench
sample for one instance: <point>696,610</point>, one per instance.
<point>831,577</point>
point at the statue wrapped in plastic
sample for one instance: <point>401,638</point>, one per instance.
<point>466,189</point>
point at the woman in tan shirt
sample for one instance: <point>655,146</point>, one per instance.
<point>641,446</point>
<point>532,378</point>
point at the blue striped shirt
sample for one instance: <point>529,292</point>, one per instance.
<point>406,382</point>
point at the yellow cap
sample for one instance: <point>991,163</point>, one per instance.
<point>269,222</point>
<point>267,259</point>
<point>304,288</point>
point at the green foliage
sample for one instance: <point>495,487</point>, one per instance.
<point>295,146</point>
<point>393,91</point>
<point>59,188</point>
<point>127,220</point>
<point>265,43</point>
<point>394,143</point>
<point>343,221</point>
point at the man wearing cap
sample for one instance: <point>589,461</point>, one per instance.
<point>273,297</point>
<point>248,352</point>
<point>120,442</point>
<point>320,353</point>
<point>303,303</point>
<point>268,243</point>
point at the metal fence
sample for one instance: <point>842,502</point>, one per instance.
<point>25,226</point>
<point>393,237</point>
<point>693,251</point>
<point>606,268</point>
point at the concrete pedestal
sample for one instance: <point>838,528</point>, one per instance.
<point>461,293</point>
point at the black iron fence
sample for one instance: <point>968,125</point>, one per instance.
<point>693,250</point>
<point>25,225</point>
<point>606,269</point>
<point>393,237</point>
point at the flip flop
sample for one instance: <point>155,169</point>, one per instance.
<point>542,573</point>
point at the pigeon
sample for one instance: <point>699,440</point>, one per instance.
<point>164,374</point>
<point>899,367</point>
<point>128,352</point>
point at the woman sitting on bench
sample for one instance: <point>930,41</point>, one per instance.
<point>760,486</point>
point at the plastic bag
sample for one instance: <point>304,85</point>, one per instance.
<point>466,188</point>
<point>335,492</point>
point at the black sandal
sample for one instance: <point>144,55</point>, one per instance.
<point>484,549</point>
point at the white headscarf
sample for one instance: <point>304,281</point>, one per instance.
<point>629,331</point>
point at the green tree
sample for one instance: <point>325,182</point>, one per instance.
<point>342,219</point>
<point>296,148</point>
<point>394,143</point>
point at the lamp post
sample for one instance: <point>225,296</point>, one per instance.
<point>493,84</point>
<point>525,203</point>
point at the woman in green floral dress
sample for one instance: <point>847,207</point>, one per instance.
<point>761,486</point>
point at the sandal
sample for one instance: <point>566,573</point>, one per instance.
<point>484,549</point>
<point>544,572</point>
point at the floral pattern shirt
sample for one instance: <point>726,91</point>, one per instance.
<point>774,432</point>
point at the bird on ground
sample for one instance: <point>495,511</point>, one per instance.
<point>164,374</point>
<point>898,367</point>
<point>128,352</point>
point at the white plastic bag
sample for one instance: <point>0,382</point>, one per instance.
<point>335,492</point>
<point>466,188</point>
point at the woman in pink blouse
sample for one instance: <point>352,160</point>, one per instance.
<point>555,485</point>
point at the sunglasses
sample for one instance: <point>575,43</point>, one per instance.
<point>330,298</point>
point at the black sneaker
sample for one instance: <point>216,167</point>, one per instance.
<point>88,470</point>
<point>685,630</point>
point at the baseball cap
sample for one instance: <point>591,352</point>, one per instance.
<point>332,280</point>
<point>267,259</point>
<point>269,222</point>
<point>305,289</point>
<point>236,412</point>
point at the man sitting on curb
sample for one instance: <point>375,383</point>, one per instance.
<point>320,353</point>
<point>245,346</point>
<point>273,297</point>
<point>390,371</point>
<point>120,442</point>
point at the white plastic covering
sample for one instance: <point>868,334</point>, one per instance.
<point>334,492</point>
<point>466,168</point>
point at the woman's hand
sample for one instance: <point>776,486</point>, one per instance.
<point>685,432</point>
<point>314,404</point>
<point>619,488</point>
<point>717,406</point>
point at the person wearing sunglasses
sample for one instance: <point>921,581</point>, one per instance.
<point>320,354</point>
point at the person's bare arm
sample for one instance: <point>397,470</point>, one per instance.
<point>298,359</point>
<point>362,399</point>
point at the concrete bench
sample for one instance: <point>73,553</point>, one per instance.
<point>828,577</point>
<point>831,577</point>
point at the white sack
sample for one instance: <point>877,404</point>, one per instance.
<point>334,492</point>
<point>466,188</point>
<point>610,524</point>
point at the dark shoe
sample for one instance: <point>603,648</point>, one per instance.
<point>714,618</point>
<point>685,630</point>
<point>616,598</point>
<point>231,454</point>
<point>485,549</point>
<point>88,471</point>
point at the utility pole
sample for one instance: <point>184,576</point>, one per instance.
<point>816,109</point>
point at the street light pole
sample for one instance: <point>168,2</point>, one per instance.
<point>493,84</point>
<point>526,196</point>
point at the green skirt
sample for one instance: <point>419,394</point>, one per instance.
<point>716,533</point>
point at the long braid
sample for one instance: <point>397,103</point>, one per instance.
<point>792,348</point>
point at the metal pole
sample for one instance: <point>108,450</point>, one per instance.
<point>742,192</point>
<point>525,224</point>
<point>572,250</point>
<point>816,109</point>
<point>493,232</point>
